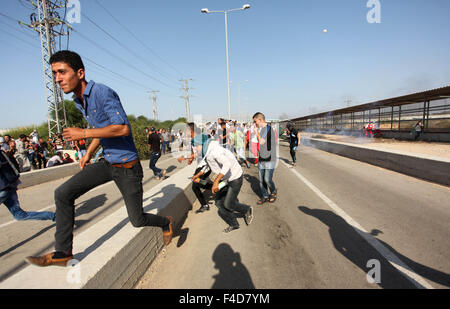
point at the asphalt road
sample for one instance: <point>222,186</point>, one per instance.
<point>335,221</point>
<point>19,239</point>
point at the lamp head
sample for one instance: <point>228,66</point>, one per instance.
<point>205,10</point>
<point>246,6</point>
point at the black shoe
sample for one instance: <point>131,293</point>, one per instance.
<point>202,209</point>
<point>230,229</point>
<point>249,216</point>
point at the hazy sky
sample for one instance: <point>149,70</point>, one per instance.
<point>291,64</point>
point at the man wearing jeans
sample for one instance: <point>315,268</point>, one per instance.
<point>9,180</point>
<point>109,127</point>
<point>154,144</point>
<point>267,158</point>
<point>223,163</point>
<point>199,145</point>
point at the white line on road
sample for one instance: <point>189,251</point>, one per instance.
<point>53,205</point>
<point>404,269</point>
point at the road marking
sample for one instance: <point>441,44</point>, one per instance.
<point>404,269</point>
<point>53,205</point>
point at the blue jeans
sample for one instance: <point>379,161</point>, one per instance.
<point>11,200</point>
<point>266,183</point>
<point>153,159</point>
<point>165,146</point>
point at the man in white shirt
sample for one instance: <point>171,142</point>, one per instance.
<point>55,160</point>
<point>223,163</point>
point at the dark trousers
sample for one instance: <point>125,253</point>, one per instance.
<point>129,182</point>
<point>228,203</point>
<point>196,187</point>
<point>154,157</point>
<point>42,161</point>
<point>293,155</point>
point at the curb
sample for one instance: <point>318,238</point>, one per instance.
<point>426,168</point>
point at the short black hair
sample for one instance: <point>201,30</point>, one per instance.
<point>259,116</point>
<point>69,57</point>
<point>22,136</point>
<point>193,127</point>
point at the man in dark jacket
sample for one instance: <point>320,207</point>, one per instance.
<point>9,180</point>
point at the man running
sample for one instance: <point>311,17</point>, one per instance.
<point>109,124</point>
<point>294,141</point>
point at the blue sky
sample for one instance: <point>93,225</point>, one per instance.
<point>279,46</point>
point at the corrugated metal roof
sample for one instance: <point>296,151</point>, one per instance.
<point>424,96</point>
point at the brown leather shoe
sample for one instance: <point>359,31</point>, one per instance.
<point>48,260</point>
<point>167,236</point>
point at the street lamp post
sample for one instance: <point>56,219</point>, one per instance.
<point>207,11</point>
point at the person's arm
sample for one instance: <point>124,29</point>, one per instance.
<point>89,153</point>
<point>111,131</point>
<point>215,186</point>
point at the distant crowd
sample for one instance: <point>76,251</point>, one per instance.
<point>33,152</point>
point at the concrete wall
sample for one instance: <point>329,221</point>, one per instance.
<point>427,168</point>
<point>399,135</point>
<point>37,177</point>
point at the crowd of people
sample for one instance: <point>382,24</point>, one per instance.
<point>33,152</point>
<point>219,151</point>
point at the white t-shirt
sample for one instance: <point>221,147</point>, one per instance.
<point>35,137</point>
<point>53,160</point>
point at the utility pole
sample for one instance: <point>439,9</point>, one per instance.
<point>186,97</point>
<point>50,26</point>
<point>155,109</point>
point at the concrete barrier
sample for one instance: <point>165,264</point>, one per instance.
<point>37,177</point>
<point>425,167</point>
<point>112,253</point>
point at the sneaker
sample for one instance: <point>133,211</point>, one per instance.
<point>230,229</point>
<point>249,216</point>
<point>202,209</point>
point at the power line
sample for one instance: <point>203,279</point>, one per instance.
<point>151,65</point>
<point>118,58</point>
<point>120,75</point>
<point>140,41</point>
<point>13,28</point>
<point>15,37</point>
<point>122,45</point>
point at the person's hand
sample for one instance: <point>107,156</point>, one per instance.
<point>215,188</point>
<point>85,160</point>
<point>180,159</point>
<point>73,134</point>
<point>190,160</point>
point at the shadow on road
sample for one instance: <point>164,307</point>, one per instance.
<point>254,183</point>
<point>232,273</point>
<point>171,168</point>
<point>183,236</point>
<point>355,248</point>
<point>90,205</point>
